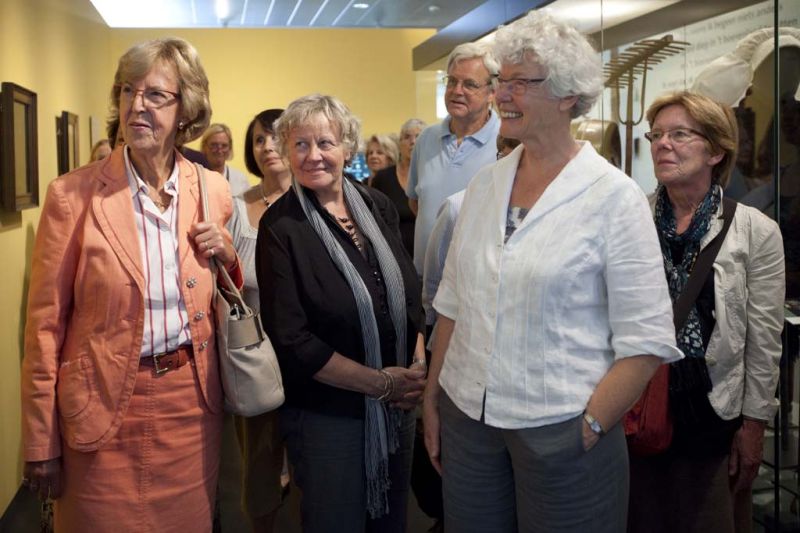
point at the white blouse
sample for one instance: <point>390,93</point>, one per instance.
<point>540,319</point>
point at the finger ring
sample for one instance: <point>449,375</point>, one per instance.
<point>205,245</point>
<point>25,481</point>
<point>212,251</point>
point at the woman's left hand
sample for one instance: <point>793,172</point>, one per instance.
<point>746,452</point>
<point>211,241</point>
<point>590,438</point>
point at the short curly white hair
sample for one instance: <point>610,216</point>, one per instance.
<point>304,109</point>
<point>572,65</point>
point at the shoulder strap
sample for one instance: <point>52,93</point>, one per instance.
<point>702,266</point>
<point>218,270</point>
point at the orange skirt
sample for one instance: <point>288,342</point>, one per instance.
<point>158,473</point>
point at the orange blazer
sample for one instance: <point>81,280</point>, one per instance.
<point>85,319</point>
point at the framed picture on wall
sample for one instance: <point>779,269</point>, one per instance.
<point>67,139</point>
<point>96,131</point>
<point>19,168</point>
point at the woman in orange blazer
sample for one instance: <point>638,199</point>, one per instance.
<point>121,399</point>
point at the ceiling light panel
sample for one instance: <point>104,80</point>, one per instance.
<point>282,13</point>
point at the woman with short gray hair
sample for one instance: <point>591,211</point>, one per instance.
<point>340,301</point>
<point>553,311</point>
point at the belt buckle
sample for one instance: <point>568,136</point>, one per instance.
<point>158,369</point>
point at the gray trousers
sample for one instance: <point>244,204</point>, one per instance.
<point>530,480</point>
<point>327,457</point>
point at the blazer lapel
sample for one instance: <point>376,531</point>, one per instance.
<point>113,209</point>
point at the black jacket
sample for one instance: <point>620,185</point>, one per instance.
<point>308,309</point>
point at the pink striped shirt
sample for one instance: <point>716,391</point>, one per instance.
<point>166,321</point>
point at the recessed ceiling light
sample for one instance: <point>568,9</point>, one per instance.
<point>433,8</point>
<point>360,6</point>
<point>222,9</point>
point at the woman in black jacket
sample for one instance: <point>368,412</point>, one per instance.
<point>340,302</point>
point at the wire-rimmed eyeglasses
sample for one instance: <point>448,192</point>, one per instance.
<point>151,96</point>
<point>677,135</point>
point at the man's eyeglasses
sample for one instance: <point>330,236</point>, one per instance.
<point>517,86</point>
<point>152,97</point>
<point>468,85</point>
<point>677,136</point>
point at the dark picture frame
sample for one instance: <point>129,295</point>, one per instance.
<point>68,142</point>
<point>19,148</point>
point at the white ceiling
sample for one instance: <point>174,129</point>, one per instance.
<point>282,13</point>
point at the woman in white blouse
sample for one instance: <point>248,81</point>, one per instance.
<point>553,310</point>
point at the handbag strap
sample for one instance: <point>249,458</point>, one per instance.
<point>217,269</point>
<point>702,266</point>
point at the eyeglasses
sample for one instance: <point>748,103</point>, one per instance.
<point>517,86</point>
<point>152,97</point>
<point>677,136</point>
<point>219,147</point>
<point>469,86</point>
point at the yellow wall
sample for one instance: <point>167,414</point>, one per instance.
<point>251,70</point>
<point>60,56</point>
<point>53,49</point>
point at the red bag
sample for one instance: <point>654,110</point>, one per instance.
<point>648,425</point>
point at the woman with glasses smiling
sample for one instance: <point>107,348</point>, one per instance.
<point>217,146</point>
<point>121,399</point>
<point>553,310</point>
<point>723,393</point>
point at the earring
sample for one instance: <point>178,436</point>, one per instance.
<point>180,125</point>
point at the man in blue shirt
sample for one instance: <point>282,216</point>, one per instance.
<point>449,154</point>
<point>445,158</point>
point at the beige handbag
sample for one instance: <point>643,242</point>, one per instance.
<point>251,378</point>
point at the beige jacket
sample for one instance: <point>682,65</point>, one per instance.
<point>744,351</point>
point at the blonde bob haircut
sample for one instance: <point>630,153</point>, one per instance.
<point>300,113</point>
<point>195,106</point>
<point>717,122</point>
<point>388,144</point>
<point>213,130</point>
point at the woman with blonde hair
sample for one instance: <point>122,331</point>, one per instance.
<point>100,150</point>
<point>217,147</point>
<point>121,398</point>
<point>381,152</point>
<point>340,301</point>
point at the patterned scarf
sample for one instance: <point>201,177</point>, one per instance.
<point>381,436</point>
<point>689,338</point>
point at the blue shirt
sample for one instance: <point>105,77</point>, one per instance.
<point>441,167</point>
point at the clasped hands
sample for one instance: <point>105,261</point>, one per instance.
<point>407,385</point>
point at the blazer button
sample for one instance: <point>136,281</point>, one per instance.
<point>203,345</point>
<point>191,283</point>
<point>199,315</point>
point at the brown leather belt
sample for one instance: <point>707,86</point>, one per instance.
<point>166,361</point>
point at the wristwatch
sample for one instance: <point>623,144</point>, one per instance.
<point>594,425</point>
